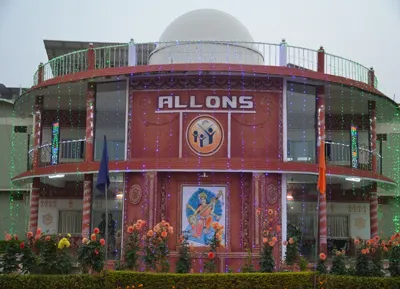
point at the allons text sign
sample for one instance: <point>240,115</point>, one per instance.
<point>205,103</point>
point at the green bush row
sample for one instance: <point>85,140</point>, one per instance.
<point>122,279</point>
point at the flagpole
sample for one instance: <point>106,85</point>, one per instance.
<point>107,245</point>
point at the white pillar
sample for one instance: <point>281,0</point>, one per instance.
<point>284,122</point>
<point>132,53</point>
<point>283,53</point>
<point>284,214</point>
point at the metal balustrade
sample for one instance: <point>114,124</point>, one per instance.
<point>69,152</point>
<point>339,154</point>
<point>255,53</point>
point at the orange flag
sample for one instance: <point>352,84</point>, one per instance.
<point>321,185</point>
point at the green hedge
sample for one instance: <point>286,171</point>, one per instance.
<point>330,281</point>
<point>51,282</point>
<point>122,279</point>
<point>211,281</point>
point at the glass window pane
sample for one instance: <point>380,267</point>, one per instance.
<point>110,119</point>
<point>301,122</point>
<point>114,210</point>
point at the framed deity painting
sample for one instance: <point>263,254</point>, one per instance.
<point>201,206</point>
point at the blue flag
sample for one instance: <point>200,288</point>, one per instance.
<point>103,179</point>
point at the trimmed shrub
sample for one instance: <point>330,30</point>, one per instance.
<point>394,262</point>
<point>52,281</point>
<point>330,281</point>
<point>211,281</point>
<point>122,279</point>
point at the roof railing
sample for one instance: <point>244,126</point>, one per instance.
<point>256,53</point>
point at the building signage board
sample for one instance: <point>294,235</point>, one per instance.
<point>209,102</point>
<point>354,146</point>
<point>55,142</point>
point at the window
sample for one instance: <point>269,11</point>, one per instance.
<point>306,224</point>
<point>110,119</point>
<point>301,122</point>
<point>70,222</point>
<point>114,211</point>
<point>338,227</point>
<point>71,149</point>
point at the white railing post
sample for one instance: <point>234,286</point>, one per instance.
<point>283,53</point>
<point>132,53</point>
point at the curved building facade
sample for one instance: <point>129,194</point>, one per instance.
<point>208,118</point>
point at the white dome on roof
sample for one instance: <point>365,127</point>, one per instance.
<point>206,36</point>
<point>206,24</point>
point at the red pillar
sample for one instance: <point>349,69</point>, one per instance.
<point>373,210</point>
<point>323,247</point>
<point>87,205</point>
<point>372,133</point>
<point>34,205</point>
<point>371,77</point>
<point>90,103</point>
<point>321,60</point>
<point>91,58</point>
<point>40,73</point>
<point>37,137</point>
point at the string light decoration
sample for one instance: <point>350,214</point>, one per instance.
<point>301,141</point>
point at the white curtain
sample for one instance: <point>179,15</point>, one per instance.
<point>338,227</point>
<point>70,222</point>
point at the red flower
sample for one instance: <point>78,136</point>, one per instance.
<point>130,229</point>
<point>102,242</point>
<point>322,256</point>
<point>29,235</point>
<point>265,240</point>
<point>96,251</point>
<point>211,255</point>
<point>164,234</point>
<point>93,237</point>
<point>38,231</point>
<point>48,238</point>
<point>22,245</point>
<point>96,231</point>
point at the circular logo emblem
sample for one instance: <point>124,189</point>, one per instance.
<point>204,135</point>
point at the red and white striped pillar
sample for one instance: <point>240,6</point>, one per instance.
<point>323,242</point>
<point>89,155</point>
<point>34,205</point>
<point>373,210</point>
<point>37,136</point>
<point>372,133</point>
<point>87,205</point>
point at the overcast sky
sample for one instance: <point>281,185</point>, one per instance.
<point>366,31</point>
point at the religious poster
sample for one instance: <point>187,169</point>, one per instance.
<point>201,206</point>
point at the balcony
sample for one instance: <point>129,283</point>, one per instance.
<point>254,53</point>
<point>72,151</point>
<point>338,154</point>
